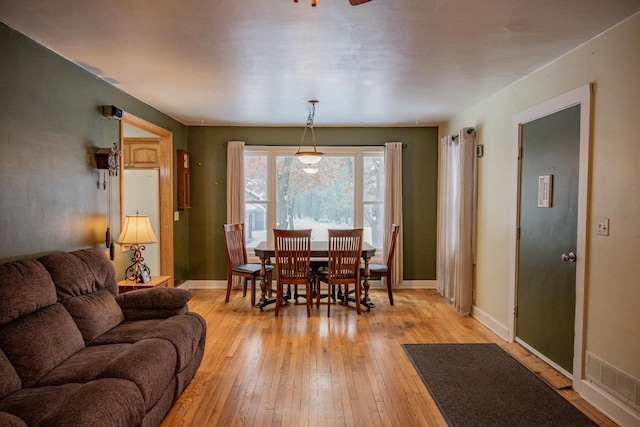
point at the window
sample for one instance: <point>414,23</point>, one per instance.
<point>346,192</point>
<point>255,197</point>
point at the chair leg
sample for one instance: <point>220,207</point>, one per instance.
<point>329,300</point>
<point>229,283</point>
<point>244,288</point>
<point>356,293</point>
<point>309,298</point>
<point>389,289</point>
<point>279,296</point>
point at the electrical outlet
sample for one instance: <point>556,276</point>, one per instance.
<point>603,227</point>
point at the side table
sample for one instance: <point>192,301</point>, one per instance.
<point>155,282</point>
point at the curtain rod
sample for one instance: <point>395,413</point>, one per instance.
<point>469,132</point>
<point>225,144</point>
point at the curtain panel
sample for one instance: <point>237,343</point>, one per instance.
<point>456,218</point>
<point>235,182</point>
<point>235,189</point>
<point>393,205</point>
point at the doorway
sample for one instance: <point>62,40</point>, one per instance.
<point>545,295</point>
<point>539,289</point>
<point>164,154</point>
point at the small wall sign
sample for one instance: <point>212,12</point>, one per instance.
<point>545,191</point>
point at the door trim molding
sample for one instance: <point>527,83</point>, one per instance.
<point>581,96</point>
<point>165,160</point>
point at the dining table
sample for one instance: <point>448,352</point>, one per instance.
<point>319,252</point>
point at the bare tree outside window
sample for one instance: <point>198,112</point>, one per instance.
<point>346,192</point>
<point>319,201</point>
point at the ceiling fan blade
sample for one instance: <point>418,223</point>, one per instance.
<point>357,2</point>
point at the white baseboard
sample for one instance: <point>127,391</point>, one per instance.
<point>407,284</point>
<point>498,328</point>
<point>620,413</point>
<point>375,284</point>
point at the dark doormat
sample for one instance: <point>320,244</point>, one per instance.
<point>482,385</point>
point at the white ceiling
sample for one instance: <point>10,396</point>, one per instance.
<point>257,62</point>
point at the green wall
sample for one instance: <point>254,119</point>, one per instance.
<point>50,124</point>
<point>208,189</point>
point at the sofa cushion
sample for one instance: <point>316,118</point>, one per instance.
<point>40,341</point>
<point>101,267</point>
<point>72,277</point>
<point>9,420</point>
<point>83,366</point>
<point>25,287</point>
<point>23,403</point>
<point>105,402</point>
<point>127,332</point>
<point>183,332</point>
<point>95,313</point>
<point>156,415</point>
<point>150,364</point>
<point>9,379</point>
<point>108,402</point>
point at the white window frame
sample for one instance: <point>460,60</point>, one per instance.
<point>358,152</point>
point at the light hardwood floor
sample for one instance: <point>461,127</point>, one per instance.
<point>347,370</point>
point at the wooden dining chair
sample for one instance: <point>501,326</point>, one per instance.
<point>378,271</point>
<point>237,261</point>
<point>293,263</point>
<point>343,266</point>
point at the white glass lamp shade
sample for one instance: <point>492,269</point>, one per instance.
<point>309,157</point>
<point>310,169</point>
<point>137,229</point>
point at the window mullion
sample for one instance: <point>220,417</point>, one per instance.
<point>271,205</point>
<point>358,193</point>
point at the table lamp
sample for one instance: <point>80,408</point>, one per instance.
<point>136,231</point>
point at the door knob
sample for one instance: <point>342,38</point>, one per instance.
<point>570,257</point>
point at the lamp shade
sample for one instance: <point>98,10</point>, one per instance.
<point>310,169</point>
<point>137,229</point>
<point>309,157</point>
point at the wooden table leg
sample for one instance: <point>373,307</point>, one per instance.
<point>366,301</point>
<point>263,285</point>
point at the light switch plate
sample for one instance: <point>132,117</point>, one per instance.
<point>176,216</point>
<point>603,227</point>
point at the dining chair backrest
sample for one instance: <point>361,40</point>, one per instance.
<point>345,250</point>
<point>235,244</point>
<point>395,229</point>
<point>293,255</point>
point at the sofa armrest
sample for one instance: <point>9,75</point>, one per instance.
<point>153,303</point>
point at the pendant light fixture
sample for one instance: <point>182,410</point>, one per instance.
<point>310,158</point>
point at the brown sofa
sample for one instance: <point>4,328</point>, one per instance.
<point>75,353</point>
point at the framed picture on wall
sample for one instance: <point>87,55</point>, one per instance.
<point>545,191</point>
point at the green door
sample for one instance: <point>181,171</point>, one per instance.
<point>546,287</point>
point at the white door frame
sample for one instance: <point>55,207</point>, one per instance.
<point>582,96</point>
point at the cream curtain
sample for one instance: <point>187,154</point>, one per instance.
<point>393,205</point>
<point>235,182</point>
<point>235,189</point>
<point>456,218</point>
